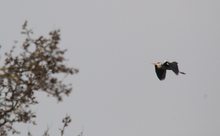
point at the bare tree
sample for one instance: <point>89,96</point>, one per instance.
<point>35,69</point>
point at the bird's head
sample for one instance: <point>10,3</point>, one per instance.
<point>158,64</point>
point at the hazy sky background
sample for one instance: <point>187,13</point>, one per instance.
<point>113,43</point>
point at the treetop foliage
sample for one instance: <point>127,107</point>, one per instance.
<point>35,69</point>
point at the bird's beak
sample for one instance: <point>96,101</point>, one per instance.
<point>153,63</point>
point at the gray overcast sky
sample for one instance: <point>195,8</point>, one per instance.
<point>113,43</point>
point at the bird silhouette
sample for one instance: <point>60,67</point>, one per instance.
<point>160,69</point>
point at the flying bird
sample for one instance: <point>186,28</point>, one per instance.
<point>160,69</point>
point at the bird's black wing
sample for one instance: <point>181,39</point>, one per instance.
<point>174,67</point>
<point>161,73</point>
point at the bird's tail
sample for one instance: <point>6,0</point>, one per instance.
<point>182,73</point>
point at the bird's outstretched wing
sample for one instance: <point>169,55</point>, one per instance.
<point>174,67</point>
<point>161,73</point>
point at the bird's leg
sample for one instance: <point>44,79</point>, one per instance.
<point>182,73</point>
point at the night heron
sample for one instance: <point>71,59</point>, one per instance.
<point>160,69</point>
